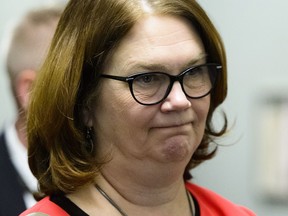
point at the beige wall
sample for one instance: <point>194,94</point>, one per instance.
<point>256,37</point>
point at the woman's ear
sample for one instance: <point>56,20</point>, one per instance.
<point>24,82</point>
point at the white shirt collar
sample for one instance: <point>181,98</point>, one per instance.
<point>18,156</point>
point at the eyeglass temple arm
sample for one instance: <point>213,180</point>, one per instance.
<point>123,79</point>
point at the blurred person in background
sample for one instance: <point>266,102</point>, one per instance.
<point>27,50</point>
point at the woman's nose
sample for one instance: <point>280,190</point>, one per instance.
<point>176,100</point>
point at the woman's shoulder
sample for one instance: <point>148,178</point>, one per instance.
<point>211,203</point>
<point>45,207</point>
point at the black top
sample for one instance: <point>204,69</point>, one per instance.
<point>73,210</point>
<point>67,205</point>
<point>12,187</point>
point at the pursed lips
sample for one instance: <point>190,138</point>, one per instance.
<point>174,125</point>
<point>175,129</point>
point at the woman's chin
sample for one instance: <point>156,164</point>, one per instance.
<point>176,149</point>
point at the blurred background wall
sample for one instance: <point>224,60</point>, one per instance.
<point>255,33</point>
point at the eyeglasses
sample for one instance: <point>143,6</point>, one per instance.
<point>153,87</point>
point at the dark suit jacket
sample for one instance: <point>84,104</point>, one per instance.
<point>12,189</point>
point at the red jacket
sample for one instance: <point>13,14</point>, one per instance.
<point>47,207</point>
<point>210,204</point>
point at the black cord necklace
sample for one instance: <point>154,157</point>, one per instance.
<point>190,202</point>
<point>111,201</point>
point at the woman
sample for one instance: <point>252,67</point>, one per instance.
<point>122,110</point>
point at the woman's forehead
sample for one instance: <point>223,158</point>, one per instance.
<point>159,40</point>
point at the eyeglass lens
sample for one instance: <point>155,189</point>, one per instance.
<point>152,88</point>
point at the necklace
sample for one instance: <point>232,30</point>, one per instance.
<point>190,202</point>
<point>110,200</point>
<point>113,203</point>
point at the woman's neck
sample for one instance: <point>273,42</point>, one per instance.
<point>135,200</point>
<point>149,189</point>
<point>144,175</point>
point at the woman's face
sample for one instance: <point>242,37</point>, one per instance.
<point>166,132</point>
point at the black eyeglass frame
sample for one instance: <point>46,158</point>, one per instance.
<point>179,78</point>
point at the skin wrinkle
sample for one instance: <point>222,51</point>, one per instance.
<point>159,38</point>
<point>135,67</point>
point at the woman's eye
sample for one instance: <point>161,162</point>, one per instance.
<point>147,79</point>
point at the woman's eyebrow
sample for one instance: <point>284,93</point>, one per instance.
<point>152,66</point>
<point>196,60</point>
